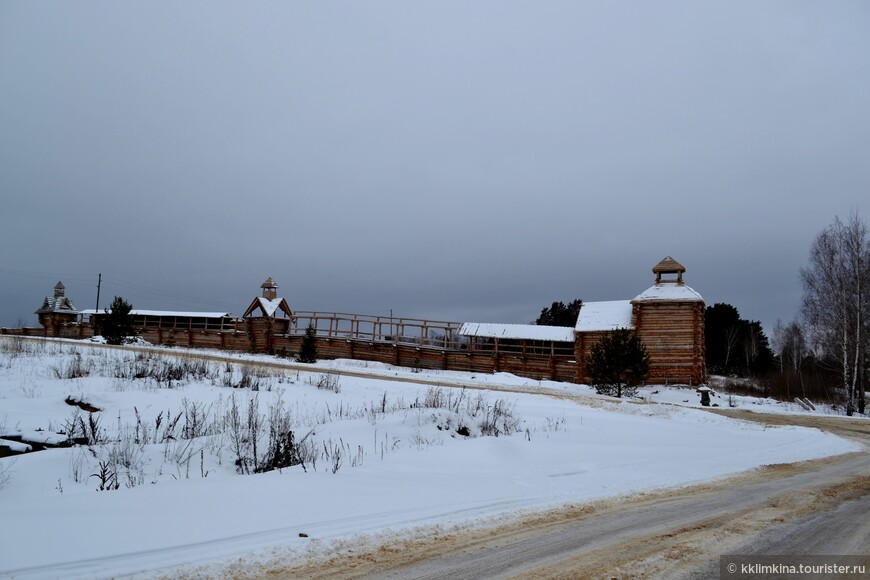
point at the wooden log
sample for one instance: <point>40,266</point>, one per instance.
<point>803,405</point>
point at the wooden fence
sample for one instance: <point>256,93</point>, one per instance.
<point>408,342</point>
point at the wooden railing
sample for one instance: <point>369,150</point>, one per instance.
<point>418,332</point>
<point>374,328</point>
<point>436,334</point>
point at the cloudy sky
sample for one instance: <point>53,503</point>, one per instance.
<point>469,161</point>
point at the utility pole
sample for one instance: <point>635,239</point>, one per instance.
<point>99,283</point>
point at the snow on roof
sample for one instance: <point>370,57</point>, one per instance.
<point>517,331</point>
<point>669,291</point>
<point>269,306</point>
<point>608,315</point>
<point>57,304</point>
<point>167,313</point>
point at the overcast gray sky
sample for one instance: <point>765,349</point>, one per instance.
<point>469,161</point>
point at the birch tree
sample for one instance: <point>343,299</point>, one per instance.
<point>835,303</point>
<point>791,350</point>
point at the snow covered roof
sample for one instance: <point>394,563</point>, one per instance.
<point>517,331</point>
<point>268,307</point>
<point>668,291</point>
<point>168,313</point>
<point>608,315</point>
<point>57,304</point>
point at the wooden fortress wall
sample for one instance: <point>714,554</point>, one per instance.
<point>673,334</point>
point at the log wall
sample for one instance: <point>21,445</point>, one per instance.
<point>672,332</point>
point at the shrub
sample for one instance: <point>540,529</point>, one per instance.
<point>308,349</point>
<point>117,324</point>
<point>618,364</point>
<point>328,382</point>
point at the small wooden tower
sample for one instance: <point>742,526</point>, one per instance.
<point>669,319</point>
<point>270,289</point>
<point>263,318</point>
<point>57,311</point>
<point>268,305</point>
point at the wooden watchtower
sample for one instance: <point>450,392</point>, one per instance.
<point>266,316</point>
<point>57,311</point>
<point>669,319</point>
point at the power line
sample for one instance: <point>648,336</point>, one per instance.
<point>75,277</point>
<point>175,297</point>
<point>127,286</point>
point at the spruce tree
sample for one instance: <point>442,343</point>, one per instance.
<point>617,364</point>
<point>308,349</point>
<point>117,323</point>
<point>560,314</point>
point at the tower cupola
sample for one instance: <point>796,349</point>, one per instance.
<point>270,289</point>
<point>669,268</point>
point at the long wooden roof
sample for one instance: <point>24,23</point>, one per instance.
<point>517,331</point>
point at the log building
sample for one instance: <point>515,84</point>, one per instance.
<point>668,317</point>
<point>57,311</point>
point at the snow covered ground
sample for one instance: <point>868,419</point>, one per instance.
<point>687,397</point>
<point>382,456</point>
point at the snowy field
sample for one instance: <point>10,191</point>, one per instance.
<point>182,449</point>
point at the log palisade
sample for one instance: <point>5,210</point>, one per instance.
<point>668,317</point>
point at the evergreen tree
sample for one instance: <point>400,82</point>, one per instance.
<point>722,335</point>
<point>117,323</point>
<point>617,364</point>
<point>735,346</point>
<point>308,349</point>
<point>560,314</point>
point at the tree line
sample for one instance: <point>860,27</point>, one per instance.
<point>824,353</point>
<point>830,336</point>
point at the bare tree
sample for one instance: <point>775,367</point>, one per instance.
<point>791,350</point>
<point>732,337</point>
<point>835,304</point>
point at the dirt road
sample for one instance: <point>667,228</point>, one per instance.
<point>813,507</point>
